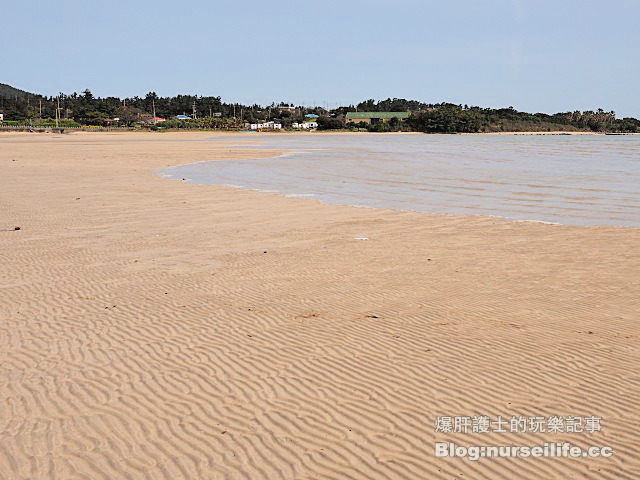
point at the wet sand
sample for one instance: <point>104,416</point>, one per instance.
<point>152,328</point>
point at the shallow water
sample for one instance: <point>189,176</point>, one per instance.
<point>573,180</point>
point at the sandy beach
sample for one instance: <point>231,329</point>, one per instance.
<point>152,328</point>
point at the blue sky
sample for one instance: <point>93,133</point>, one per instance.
<point>535,55</point>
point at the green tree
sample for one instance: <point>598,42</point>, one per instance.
<point>327,123</point>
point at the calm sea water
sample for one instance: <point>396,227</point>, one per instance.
<point>573,180</point>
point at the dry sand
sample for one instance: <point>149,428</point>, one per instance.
<point>156,329</point>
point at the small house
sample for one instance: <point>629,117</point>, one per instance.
<point>307,125</point>
<point>265,126</point>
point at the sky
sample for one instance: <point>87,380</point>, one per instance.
<point>535,55</point>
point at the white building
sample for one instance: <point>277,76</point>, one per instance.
<point>305,125</point>
<point>1,117</point>
<point>265,126</point>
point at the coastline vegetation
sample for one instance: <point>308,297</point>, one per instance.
<point>22,108</point>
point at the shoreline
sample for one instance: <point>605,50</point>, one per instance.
<point>313,198</point>
<point>211,332</point>
<point>318,197</point>
<point>319,132</point>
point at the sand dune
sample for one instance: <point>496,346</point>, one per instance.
<point>156,329</point>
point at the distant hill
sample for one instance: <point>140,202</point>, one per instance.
<point>8,91</point>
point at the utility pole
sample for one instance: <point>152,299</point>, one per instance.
<point>40,109</point>
<point>58,112</point>
<point>153,102</point>
<point>234,111</point>
<point>194,114</point>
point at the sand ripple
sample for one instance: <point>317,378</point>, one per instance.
<point>155,329</point>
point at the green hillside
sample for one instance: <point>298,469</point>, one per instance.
<point>8,91</point>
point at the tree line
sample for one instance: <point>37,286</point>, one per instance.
<point>211,112</point>
<point>451,118</point>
